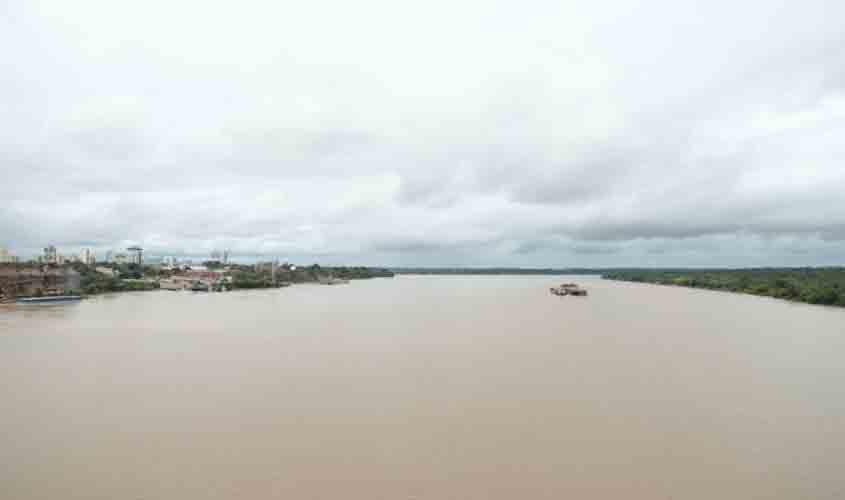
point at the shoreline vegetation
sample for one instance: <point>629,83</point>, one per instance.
<point>131,277</point>
<point>497,271</point>
<point>820,286</point>
<point>33,280</point>
<point>810,285</point>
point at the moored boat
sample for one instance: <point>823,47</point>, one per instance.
<point>48,299</point>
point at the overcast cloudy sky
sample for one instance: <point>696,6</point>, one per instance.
<point>478,133</point>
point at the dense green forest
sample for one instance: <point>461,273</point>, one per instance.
<point>93,282</point>
<point>130,277</point>
<point>357,273</point>
<point>261,276</point>
<point>811,285</point>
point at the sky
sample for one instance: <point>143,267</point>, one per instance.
<point>437,133</point>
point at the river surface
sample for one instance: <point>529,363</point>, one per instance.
<point>423,388</point>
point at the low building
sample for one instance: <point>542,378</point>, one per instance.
<point>204,274</point>
<point>35,280</point>
<point>176,283</point>
<point>206,284</point>
<point>106,271</point>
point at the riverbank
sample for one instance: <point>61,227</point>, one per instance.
<point>821,286</point>
<point>495,271</point>
<point>32,280</point>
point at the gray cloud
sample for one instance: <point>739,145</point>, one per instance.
<point>562,134</point>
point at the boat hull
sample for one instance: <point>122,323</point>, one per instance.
<point>568,289</point>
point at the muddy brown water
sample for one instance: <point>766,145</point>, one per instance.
<point>423,388</point>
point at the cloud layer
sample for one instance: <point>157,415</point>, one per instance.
<point>483,133</point>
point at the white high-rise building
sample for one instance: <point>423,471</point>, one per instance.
<point>51,256</point>
<point>87,257</point>
<point>136,255</point>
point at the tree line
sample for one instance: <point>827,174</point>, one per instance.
<point>810,285</point>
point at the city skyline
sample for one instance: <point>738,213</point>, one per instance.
<point>54,254</point>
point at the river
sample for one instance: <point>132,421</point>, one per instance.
<point>423,388</point>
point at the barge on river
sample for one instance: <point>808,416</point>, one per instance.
<point>568,289</point>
